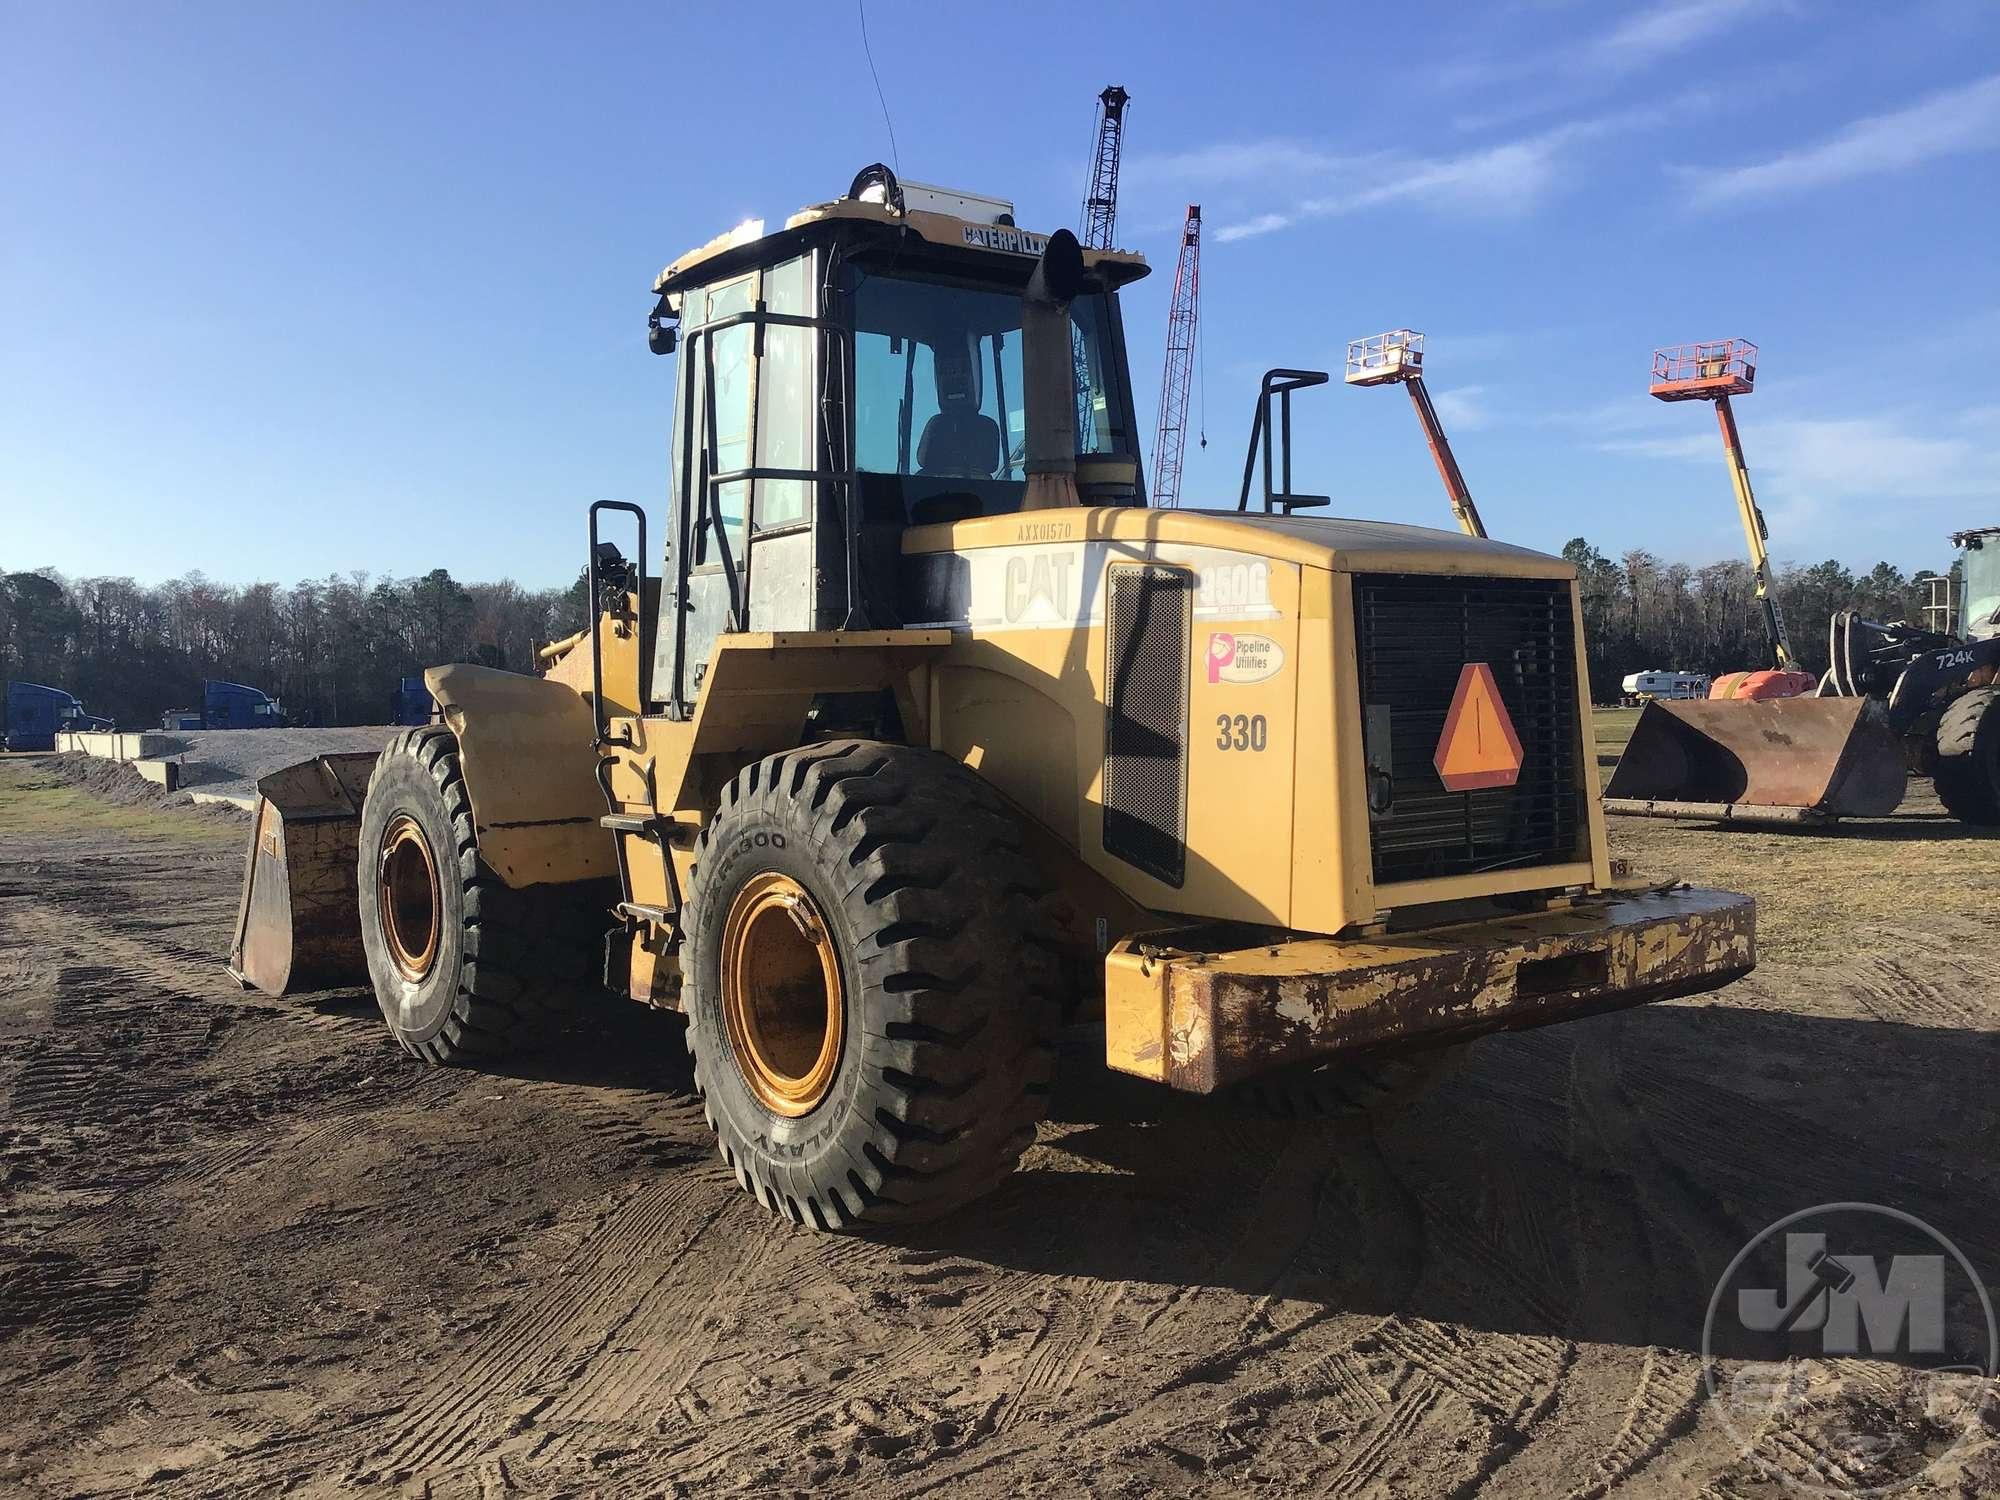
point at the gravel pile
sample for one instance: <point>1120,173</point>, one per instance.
<point>227,762</point>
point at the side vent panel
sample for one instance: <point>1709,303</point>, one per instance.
<point>1146,719</point>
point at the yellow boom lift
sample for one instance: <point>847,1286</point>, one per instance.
<point>930,737</point>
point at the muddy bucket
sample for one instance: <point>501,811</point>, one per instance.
<point>1783,759</point>
<point>298,923</point>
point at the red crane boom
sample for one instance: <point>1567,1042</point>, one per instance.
<point>1183,327</point>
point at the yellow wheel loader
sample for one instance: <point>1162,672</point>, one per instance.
<point>930,738</point>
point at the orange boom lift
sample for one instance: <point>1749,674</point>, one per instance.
<point>1714,372</point>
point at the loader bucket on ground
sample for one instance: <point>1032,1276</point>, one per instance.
<point>1784,759</point>
<point>298,923</point>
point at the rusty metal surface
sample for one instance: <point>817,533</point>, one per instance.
<point>298,921</point>
<point>1227,1016</point>
<point>1717,812</point>
<point>1834,755</point>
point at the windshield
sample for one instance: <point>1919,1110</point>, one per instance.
<point>938,389</point>
<point>1981,615</point>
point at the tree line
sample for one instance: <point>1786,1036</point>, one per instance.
<point>1640,613</point>
<point>334,649</point>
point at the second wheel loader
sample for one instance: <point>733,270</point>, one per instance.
<point>931,738</point>
<point>1895,699</point>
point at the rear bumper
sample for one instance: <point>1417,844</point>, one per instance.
<point>1200,1018</point>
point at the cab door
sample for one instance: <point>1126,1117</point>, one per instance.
<point>746,405</point>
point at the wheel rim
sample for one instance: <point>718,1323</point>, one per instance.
<point>782,996</point>
<point>408,898</point>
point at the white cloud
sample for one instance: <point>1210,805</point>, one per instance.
<point>1248,228</point>
<point>1953,121</point>
<point>1688,448</point>
<point>1841,485</point>
<point>1463,408</point>
<point>1235,162</point>
<point>1660,32</point>
<point>1494,181</point>
<point>1806,461</point>
<point>1653,35</point>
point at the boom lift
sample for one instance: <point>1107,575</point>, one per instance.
<point>1714,372</point>
<point>1398,356</point>
<point>931,736</point>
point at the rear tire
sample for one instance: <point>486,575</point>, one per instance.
<point>873,988</point>
<point>466,968</point>
<point>1968,757</point>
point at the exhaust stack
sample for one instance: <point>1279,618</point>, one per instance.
<point>1048,374</point>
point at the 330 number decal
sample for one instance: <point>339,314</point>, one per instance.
<point>1241,732</point>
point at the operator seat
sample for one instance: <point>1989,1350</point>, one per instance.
<point>960,442</point>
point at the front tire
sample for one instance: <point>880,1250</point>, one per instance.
<point>1967,773</point>
<point>466,969</point>
<point>873,988</point>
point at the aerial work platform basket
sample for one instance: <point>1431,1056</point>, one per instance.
<point>1701,372</point>
<point>1385,357</point>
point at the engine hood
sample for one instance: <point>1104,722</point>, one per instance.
<point>1338,543</point>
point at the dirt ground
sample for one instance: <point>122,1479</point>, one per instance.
<point>249,1248</point>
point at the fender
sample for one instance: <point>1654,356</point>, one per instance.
<point>524,747</point>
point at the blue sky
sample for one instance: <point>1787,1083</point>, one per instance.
<point>297,289</point>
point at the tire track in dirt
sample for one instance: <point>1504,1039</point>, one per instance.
<point>528,1349</point>
<point>1663,1406</point>
<point>1064,1343</point>
<point>493,1384</point>
<point>1893,989</point>
<point>1076,1326</point>
<point>1366,1464</point>
<point>1634,1264</point>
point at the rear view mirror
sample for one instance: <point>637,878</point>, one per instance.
<point>660,338</point>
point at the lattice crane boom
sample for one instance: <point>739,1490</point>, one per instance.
<point>1100,203</point>
<point>1183,329</point>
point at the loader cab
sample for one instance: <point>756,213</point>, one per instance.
<point>852,375</point>
<point>1979,584</point>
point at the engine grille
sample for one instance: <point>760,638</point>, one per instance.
<point>1146,717</point>
<point>1414,634</point>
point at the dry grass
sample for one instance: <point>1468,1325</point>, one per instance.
<point>1827,895</point>
<point>34,800</point>
<point>1823,894</point>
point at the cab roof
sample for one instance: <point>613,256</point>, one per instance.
<point>968,240</point>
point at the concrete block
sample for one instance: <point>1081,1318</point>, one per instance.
<point>118,747</point>
<point>243,801</point>
<point>166,773</point>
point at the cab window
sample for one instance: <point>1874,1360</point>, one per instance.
<point>939,399</point>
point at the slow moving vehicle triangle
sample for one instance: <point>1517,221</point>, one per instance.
<point>1479,747</point>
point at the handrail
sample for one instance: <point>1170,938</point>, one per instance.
<point>638,565</point>
<point>1279,383</point>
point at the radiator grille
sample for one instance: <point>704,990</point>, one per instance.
<point>1146,716</point>
<point>1414,634</point>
